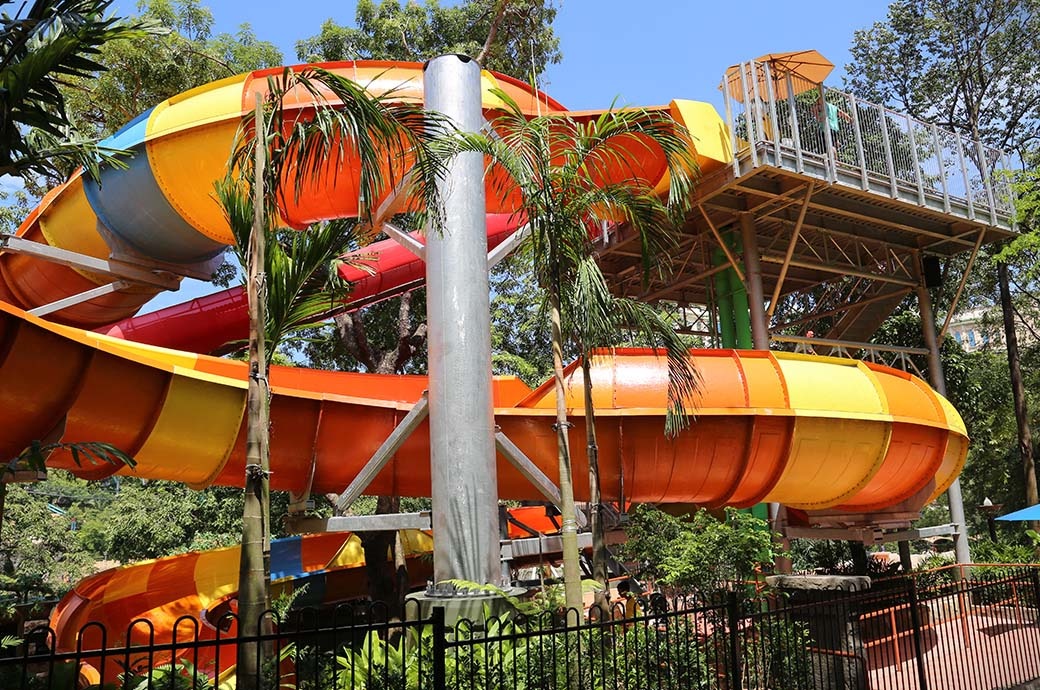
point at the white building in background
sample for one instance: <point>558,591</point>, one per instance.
<point>977,328</point>
<point>982,327</point>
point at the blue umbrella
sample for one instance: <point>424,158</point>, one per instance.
<point>1031,513</point>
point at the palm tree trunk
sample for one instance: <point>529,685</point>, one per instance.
<point>1025,437</point>
<point>599,544</point>
<point>569,527</point>
<point>256,538</point>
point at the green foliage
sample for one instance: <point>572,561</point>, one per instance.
<point>966,65</point>
<point>302,281</point>
<point>523,45</point>
<point>985,551</point>
<point>520,343</point>
<point>698,553</point>
<point>45,43</point>
<point>776,655</point>
<point>145,71</point>
<point>38,558</point>
<point>179,675</point>
<point>92,453</point>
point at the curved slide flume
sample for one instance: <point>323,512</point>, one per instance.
<point>174,592</point>
<point>810,432</point>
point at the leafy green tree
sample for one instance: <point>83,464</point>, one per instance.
<point>520,343</point>
<point>37,554</point>
<point>698,553</point>
<point>45,43</point>
<point>513,36</point>
<point>143,72</point>
<point>968,66</point>
<point>556,165</point>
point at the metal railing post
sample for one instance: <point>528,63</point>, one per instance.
<point>918,176</point>
<point>1034,575</point>
<point>984,169</point>
<point>889,160</point>
<point>861,154</point>
<point>942,168</point>
<point>915,619</point>
<point>733,625</point>
<point>796,132</point>
<point>967,178</point>
<point>759,115</point>
<point>727,100</point>
<point>440,648</point>
<point>1007,202</point>
<point>774,122</point>
<point>749,109</point>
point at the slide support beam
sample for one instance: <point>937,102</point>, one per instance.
<point>755,293</point>
<point>938,377</point>
<point>387,450</point>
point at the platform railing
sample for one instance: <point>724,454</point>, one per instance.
<point>779,119</point>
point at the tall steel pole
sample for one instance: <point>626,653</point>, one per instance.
<point>462,436</point>
<point>935,372</point>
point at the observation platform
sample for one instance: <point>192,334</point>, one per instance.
<point>843,207</point>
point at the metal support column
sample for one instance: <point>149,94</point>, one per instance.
<point>935,371</point>
<point>760,338</point>
<point>462,433</point>
<point>753,272</point>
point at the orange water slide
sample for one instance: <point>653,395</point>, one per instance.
<point>161,210</point>
<point>810,432</point>
<point>190,596</point>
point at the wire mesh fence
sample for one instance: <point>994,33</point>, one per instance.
<point>779,118</point>
<point>940,629</point>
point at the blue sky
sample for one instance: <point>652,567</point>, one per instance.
<point>647,52</point>
<point>642,53</point>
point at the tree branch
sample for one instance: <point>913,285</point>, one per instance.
<point>352,333</point>
<point>496,21</point>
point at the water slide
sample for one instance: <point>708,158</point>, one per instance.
<point>811,432</point>
<point>167,592</point>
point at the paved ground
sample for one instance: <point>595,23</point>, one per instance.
<point>987,650</point>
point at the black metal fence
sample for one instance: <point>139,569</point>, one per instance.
<point>938,631</point>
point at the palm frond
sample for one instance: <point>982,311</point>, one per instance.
<point>92,452</point>
<point>45,42</point>
<point>596,318</point>
<point>302,283</point>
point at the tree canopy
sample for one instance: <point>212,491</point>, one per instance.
<point>140,73</point>
<point>513,36</point>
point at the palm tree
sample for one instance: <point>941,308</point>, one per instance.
<point>599,319</point>
<point>45,42</point>
<point>564,173</point>
<point>277,154</point>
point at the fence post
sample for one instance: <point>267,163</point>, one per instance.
<point>915,619</point>
<point>733,620</point>
<point>440,648</point>
<point>1035,576</point>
